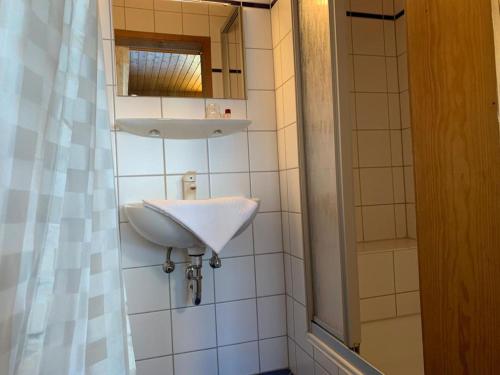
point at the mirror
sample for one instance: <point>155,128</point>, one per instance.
<point>200,54</point>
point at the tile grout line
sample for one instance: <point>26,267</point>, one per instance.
<point>207,349</point>
<point>390,294</point>
<point>210,195</point>
<point>279,187</point>
<point>401,128</point>
<point>395,226</point>
<point>287,191</point>
<point>282,127</point>
<point>169,275</point>
<point>362,234</point>
<point>253,243</point>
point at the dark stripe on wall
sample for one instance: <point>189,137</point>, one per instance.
<point>230,2</point>
<point>376,16</point>
<point>243,4</point>
<point>278,372</point>
<point>274,2</point>
<point>255,5</point>
<point>217,70</point>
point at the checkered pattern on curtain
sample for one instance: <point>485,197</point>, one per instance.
<point>62,305</point>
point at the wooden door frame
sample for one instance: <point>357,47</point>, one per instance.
<point>454,112</point>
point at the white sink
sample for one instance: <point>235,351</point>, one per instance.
<point>164,231</point>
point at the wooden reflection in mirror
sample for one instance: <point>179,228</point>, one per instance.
<point>154,64</point>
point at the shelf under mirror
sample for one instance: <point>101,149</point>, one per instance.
<point>181,128</point>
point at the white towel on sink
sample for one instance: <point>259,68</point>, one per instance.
<point>213,221</point>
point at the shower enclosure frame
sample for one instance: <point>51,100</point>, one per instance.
<point>343,344</point>
<point>351,333</point>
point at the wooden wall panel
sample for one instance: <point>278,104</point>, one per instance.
<point>453,89</point>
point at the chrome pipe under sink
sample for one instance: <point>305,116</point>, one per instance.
<point>193,274</point>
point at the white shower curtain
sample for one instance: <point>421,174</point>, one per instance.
<point>62,305</point>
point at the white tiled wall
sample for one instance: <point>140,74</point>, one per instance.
<point>383,173</point>
<point>405,120</point>
<point>240,328</point>
<point>388,279</point>
<point>303,358</point>
<point>284,89</point>
<point>247,302</point>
